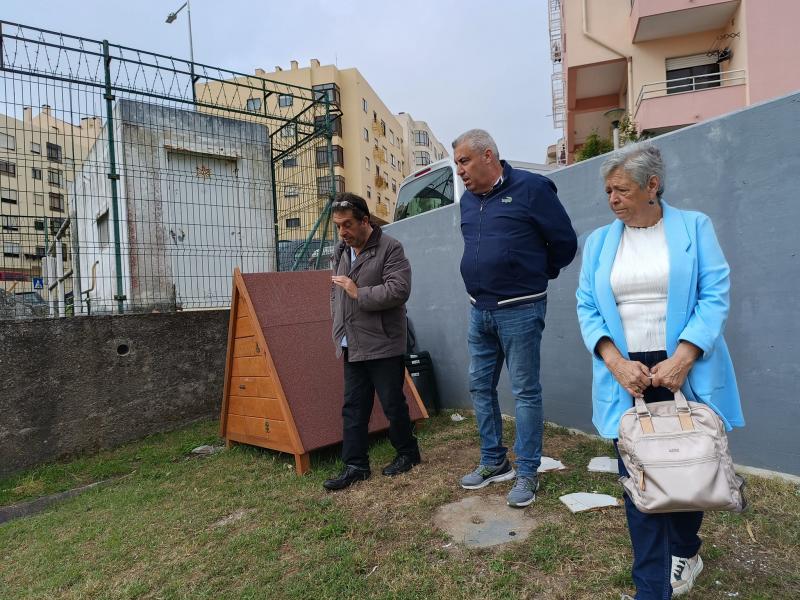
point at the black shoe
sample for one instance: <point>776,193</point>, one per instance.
<point>401,464</point>
<point>347,477</point>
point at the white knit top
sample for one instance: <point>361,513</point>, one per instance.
<point>639,279</point>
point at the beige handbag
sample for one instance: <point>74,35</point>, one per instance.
<point>676,453</point>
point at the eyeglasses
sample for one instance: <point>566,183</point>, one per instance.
<point>348,204</point>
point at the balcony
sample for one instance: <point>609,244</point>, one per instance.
<point>657,19</point>
<point>665,105</point>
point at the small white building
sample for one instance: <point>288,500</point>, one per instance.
<point>195,200</point>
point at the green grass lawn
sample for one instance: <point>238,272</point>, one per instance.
<point>241,524</point>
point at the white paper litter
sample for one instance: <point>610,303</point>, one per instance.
<point>550,464</point>
<point>583,501</point>
<point>456,417</point>
<point>603,464</point>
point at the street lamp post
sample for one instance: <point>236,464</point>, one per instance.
<point>170,19</point>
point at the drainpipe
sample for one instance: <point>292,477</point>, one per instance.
<point>614,50</point>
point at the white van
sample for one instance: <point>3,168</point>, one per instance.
<point>437,185</point>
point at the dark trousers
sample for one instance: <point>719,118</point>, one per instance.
<point>657,537</point>
<point>361,380</point>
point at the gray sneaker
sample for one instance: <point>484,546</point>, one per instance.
<point>523,492</point>
<point>486,474</point>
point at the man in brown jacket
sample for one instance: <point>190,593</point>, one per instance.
<point>371,283</point>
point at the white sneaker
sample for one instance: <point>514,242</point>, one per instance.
<point>684,572</point>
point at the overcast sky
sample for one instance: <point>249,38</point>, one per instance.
<point>456,64</point>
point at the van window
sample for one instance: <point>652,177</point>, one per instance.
<point>429,191</point>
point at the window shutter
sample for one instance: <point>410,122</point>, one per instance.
<point>686,62</point>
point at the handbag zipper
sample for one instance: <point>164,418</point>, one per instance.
<point>672,463</point>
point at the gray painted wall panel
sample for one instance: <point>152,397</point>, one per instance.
<point>742,170</point>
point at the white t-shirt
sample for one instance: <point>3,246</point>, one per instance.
<point>639,280</point>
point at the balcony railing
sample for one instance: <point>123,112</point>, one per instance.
<point>685,85</point>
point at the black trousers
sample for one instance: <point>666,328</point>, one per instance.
<point>657,537</point>
<point>361,380</point>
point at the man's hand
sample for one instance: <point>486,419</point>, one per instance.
<point>347,285</point>
<point>671,373</point>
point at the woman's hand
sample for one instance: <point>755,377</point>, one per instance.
<point>671,373</point>
<point>632,375</point>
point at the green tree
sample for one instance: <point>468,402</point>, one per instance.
<point>593,146</point>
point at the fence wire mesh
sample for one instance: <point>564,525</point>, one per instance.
<point>132,181</point>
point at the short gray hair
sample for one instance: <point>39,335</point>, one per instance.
<point>477,139</point>
<point>640,161</point>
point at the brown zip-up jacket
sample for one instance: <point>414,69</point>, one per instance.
<point>375,323</point>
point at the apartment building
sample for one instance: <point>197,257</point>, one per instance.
<point>39,156</point>
<point>368,144</point>
<point>666,63</point>
<point>422,147</point>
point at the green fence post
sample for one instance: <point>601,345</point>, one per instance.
<point>113,176</point>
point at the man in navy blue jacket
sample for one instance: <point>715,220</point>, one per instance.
<point>517,236</point>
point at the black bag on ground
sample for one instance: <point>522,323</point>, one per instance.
<point>420,367</point>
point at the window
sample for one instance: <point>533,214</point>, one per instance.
<point>54,177</point>
<point>38,224</point>
<point>102,229</point>
<point>421,138</point>
<point>374,117</point>
<point>324,185</point>
<point>53,152</point>
<point>690,73</point>
<point>369,192</point>
<point>291,191</point>
<point>8,168</point>
<point>292,222</point>
<point>10,223</point>
<point>289,130</point>
<point>327,90</point>
<point>391,137</point>
<point>394,186</point>
<point>36,148</point>
<point>11,249</point>
<point>422,158</point>
<point>284,100</point>
<point>322,156</point>
<point>40,251</point>
<point>366,134</point>
<point>55,224</point>
<point>336,124</point>
<point>367,164</point>
<point>379,198</point>
<point>38,199</point>
<point>8,142</point>
<point>57,202</point>
<point>394,161</point>
<point>289,162</point>
<point>425,193</point>
<point>8,195</point>
<point>36,173</point>
<point>364,104</point>
<point>383,127</point>
<point>254,104</point>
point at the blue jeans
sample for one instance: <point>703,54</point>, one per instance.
<point>513,335</point>
<point>657,537</point>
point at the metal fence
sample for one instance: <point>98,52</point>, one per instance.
<point>132,181</point>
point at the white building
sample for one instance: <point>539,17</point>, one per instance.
<point>195,200</point>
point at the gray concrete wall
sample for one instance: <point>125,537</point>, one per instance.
<point>742,170</point>
<point>69,387</point>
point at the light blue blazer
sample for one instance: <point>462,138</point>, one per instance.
<point>697,308</point>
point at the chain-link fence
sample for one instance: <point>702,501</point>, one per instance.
<point>132,181</point>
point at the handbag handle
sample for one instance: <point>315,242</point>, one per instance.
<point>681,404</point>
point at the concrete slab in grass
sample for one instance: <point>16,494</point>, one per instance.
<point>481,521</point>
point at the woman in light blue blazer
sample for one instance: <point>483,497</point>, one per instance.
<point>652,305</point>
